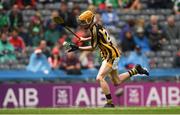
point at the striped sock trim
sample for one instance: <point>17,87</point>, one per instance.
<point>133,72</point>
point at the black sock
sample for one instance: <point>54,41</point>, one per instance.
<point>109,98</point>
<point>133,72</point>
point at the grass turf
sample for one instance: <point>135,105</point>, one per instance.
<point>117,110</point>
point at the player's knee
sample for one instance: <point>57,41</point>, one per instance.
<point>99,79</point>
<point>117,82</point>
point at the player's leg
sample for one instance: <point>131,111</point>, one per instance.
<point>136,70</point>
<point>114,73</point>
<point>104,70</point>
<point>124,76</point>
<point>114,77</point>
<point>118,79</point>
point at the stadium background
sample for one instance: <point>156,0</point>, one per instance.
<point>69,79</point>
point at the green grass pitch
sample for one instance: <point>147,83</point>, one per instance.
<point>117,110</point>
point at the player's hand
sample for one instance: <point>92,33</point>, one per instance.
<point>81,39</point>
<point>73,48</point>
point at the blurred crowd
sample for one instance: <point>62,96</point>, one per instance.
<point>40,39</point>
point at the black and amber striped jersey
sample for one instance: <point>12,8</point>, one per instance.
<point>101,39</point>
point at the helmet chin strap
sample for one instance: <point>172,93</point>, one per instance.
<point>90,23</point>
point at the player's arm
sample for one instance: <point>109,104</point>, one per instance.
<point>89,48</point>
<point>85,39</point>
<point>86,48</point>
<point>82,48</point>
